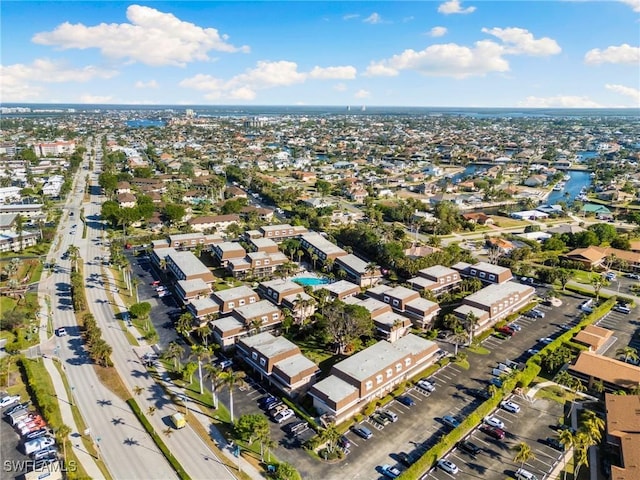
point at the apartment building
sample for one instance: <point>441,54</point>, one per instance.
<point>186,266</point>
<point>389,325</point>
<point>262,244</point>
<point>494,302</point>
<point>59,147</point>
<point>234,297</point>
<point>486,272</point>
<point>253,318</point>
<point>14,242</point>
<point>436,279</point>
<point>316,244</point>
<point>189,241</point>
<point>188,290</point>
<point>371,374</point>
<point>281,232</point>
<point>210,222</point>
<point>279,362</point>
<point>277,291</point>
<point>359,271</point>
<point>256,264</point>
<point>201,308</point>
<point>341,290</point>
<point>29,210</point>
<point>225,251</point>
<point>407,301</point>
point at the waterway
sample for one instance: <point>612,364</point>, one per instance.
<point>144,123</point>
<point>469,171</point>
<point>579,179</point>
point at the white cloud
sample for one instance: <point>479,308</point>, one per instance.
<point>559,101</point>
<point>445,60</point>
<point>265,75</point>
<point>634,4</point>
<point>408,19</point>
<point>362,93</point>
<point>437,32</point>
<point>453,6</point>
<point>149,84</point>
<point>630,92</point>
<point>623,54</point>
<point>87,98</point>
<point>18,79</point>
<point>521,41</point>
<point>333,73</point>
<point>340,87</point>
<point>351,16</point>
<point>152,37</point>
<point>373,19</point>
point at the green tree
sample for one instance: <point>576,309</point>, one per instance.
<point>251,427</point>
<point>174,352</point>
<point>346,323</point>
<point>174,213</point>
<point>285,471</point>
<point>592,425</point>
<point>200,353</point>
<point>598,283</point>
<point>140,310</point>
<point>523,453</point>
<point>213,372</point>
<point>564,277</point>
<point>330,435</point>
<point>184,325</point>
<point>62,434</point>
<point>230,379</point>
<point>629,353</point>
<point>188,370</point>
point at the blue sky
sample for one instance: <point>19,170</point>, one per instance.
<point>447,53</point>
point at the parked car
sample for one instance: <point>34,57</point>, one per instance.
<point>535,313</point>
<point>390,415</point>
<point>493,432</point>
<point>515,327</point>
<point>344,443</point>
<point>634,276</point>
<point>450,421</point>
<point>533,351</point>
<point>448,466</point>
<point>18,407</point>
<point>494,422</point>
<point>362,432</point>
<point>380,419</point>
<point>506,330</point>
<point>610,276</point>
<point>426,385</point>
<point>405,459</point>
<point>545,340</point>
<point>389,471</point>
<point>41,432</point>
<point>469,447</point>
<point>587,306</point>
<point>265,401</point>
<point>284,415</point>
<point>296,427</point>
<point>479,393</point>
<point>61,332</point>
<point>496,381</point>
<point>9,400</point>
<point>510,406</point>
<point>406,401</point>
<point>554,443</point>
<point>33,446</point>
<point>622,309</point>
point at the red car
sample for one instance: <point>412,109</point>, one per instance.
<point>506,330</point>
<point>493,432</point>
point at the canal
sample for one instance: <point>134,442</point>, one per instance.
<point>579,179</point>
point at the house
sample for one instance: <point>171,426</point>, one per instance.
<point>503,245</point>
<point>614,374</point>
<point>123,187</point>
<point>225,251</point>
<point>219,223</point>
<point>340,290</point>
<point>478,217</point>
<point>494,302</point>
<point>436,279</point>
<point>623,434</point>
<point>126,200</point>
<point>370,374</point>
<point>407,301</point>
<point>565,228</point>
<point>486,272</point>
<point>594,257</point>
<point>188,290</point>
<point>600,211</point>
<point>279,362</point>
<point>593,337</point>
<point>535,180</point>
<point>264,214</point>
<point>358,271</point>
<point>529,215</point>
<point>262,244</point>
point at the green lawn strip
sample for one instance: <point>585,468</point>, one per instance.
<point>77,417</point>
<point>603,295</point>
<point>43,395</point>
<point>158,441</point>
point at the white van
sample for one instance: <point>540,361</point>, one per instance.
<point>523,474</point>
<point>38,444</point>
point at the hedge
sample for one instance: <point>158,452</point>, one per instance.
<point>158,441</point>
<point>591,293</point>
<point>302,414</point>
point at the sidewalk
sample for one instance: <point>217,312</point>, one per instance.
<point>87,460</point>
<point>165,379</point>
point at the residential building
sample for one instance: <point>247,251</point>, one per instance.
<point>359,271</point>
<point>234,297</point>
<point>318,246</point>
<point>623,434</point>
<point>188,290</point>
<point>189,241</point>
<point>279,362</point>
<point>486,272</point>
<point>281,232</point>
<point>389,325</point>
<point>278,290</point>
<point>341,290</point>
<point>201,308</point>
<point>594,257</point>
<point>226,251</point>
<point>255,317</point>
<point>256,264</point>
<point>186,266</point>
<point>29,210</point>
<point>407,301</point>
<point>10,194</point>
<point>494,302</point>
<point>126,200</point>
<point>370,374</point>
<point>14,242</point>
<point>614,374</point>
<point>219,223</point>
<point>436,279</point>
<point>52,149</point>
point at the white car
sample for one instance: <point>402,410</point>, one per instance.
<point>389,471</point>
<point>9,400</point>
<point>510,406</point>
<point>448,466</point>
<point>426,385</point>
<point>515,326</point>
<point>545,340</point>
<point>494,422</point>
<point>284,415</point>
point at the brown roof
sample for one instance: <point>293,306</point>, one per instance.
<point>214,219</point>
<point>607,369</point>
<point>594,254</point>
<point>593,336</point>
<point>623,421</point>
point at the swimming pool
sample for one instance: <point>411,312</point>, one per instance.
<point>311,281</point>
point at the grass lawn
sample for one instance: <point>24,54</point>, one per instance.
<point>506,222</point>
<point>584,277</point>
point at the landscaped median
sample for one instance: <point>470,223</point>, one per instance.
<point>158,441</point>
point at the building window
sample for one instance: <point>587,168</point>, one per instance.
<point>492,276</point>
<point>407,362</point>
<point>254,355</point>
<point>241,302</point>
<point>442,281</point>
<point>368,385</point>
<point>274,316</point>
<point>473,271</point>
<point>257,263</point>
<point>266,262</point>
<point>378,379</point>
<point>386,299</point>
<point>264,318</point>
<point>252,300</point>
<point>232,304</point>
<point>263,362</point>
<point>398,367</point>
<point>389,372</point>
<point>482,274</point>
<point>395,302</point>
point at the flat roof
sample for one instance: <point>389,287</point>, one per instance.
<point>188,263</point>
<point>229,246</point>
<point>295,364</point>
<point>390,319</point>
<point>438,271</point>
<point>262,242</point>
<point>273,228</point>
<point>494,293</point>
<point>193,285</point>
<point>353,262</point>
<point>262,307</point>
<point>422,304</point>
<point>422,282</point>
<point>464,310</point>
<point>280,286</point>
<point>226,324</point>
<point>400,292</point>
<point>489,267</point>
<point>338,287</point>
<point>335,389</point>
<point>204,303</point>
<point>322,244</point>
<point>269,345</point>
<point>235,293</point>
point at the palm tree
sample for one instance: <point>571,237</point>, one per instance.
<point>200,353</point>
<point>459,337</point>
<point>598,283</point>
<point>137,390</point>
<point>184,325</point>
<point>203,332</point>
<point>213,372</point>
<point>628,353</point>
<point>74,255</point>
<point>581,442</point>
<point>151,410</point>
<point>330,435</point>
<point>168,431</point>
<point>471,320</point>
<point>592,425</point>
<point>370,270</point>
<point>567,439</point>
<point>62,434</point>
<point>174,352</point>
<point>254,326</point>
<point>230,379</point>
<point>524,453</point>
<point>492,389</point>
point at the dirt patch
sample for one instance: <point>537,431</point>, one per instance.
<point>109,377</point>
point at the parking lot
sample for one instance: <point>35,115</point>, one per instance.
<point>531,425</point>
<point>627,330</point>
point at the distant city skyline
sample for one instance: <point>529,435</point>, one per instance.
<point>510,54</point>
